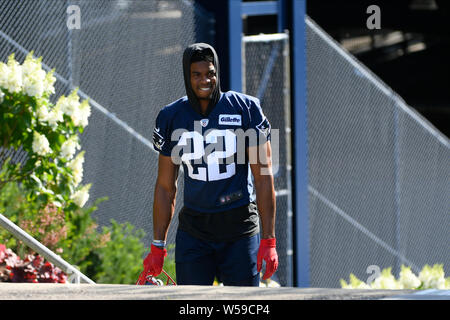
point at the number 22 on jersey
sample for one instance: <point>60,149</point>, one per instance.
<point>213,157</point>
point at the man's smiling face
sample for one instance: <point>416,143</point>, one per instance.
<point>203,79</point>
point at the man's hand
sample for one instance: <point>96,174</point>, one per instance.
<point>268,253</point>
<point>153,263</point>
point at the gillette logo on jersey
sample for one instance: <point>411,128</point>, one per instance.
<point>212,149</point>
<point>234,120</point>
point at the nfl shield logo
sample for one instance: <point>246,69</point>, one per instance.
<point>204,122</point>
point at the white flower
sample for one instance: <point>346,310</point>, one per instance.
<point>432,277</point>
<point>31,65</point>
<point>42,113</point>
<point>408,279</point>
<point>354,283</point>
<point>49,83</point>
<point>61,104</point>
<point>429,278</point>
<point>40,144</point>
<point>81,196</point>
<point>69,105</point>
<point>385,281</point>
<point>4,74</point>
<point>1,96</point>
<point>14,79</point>
<point>85,112</point>
<point>54,116</point>
<point>76,165</point>
<point>362,285</point>
<point>76,117</point>
<point>35,81</point>
<point>358,284</point>
<point>33,84</point>
<point>69,147</point>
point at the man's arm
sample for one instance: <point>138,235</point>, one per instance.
<point>261,167</point>
<point>164,198</point>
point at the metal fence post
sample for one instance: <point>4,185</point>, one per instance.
<point>300,144</point>
<point>235,44</point>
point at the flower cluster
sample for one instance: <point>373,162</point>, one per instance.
<point>428,278</point>
<point>76,165</point>
<point>71,106</point>
<point>40,144</point>
<point>28,77</point>
<point>81,196</point>
<point>47,132</point>
<point>32,269</point>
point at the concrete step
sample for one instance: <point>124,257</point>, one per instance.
<point>50,291</point>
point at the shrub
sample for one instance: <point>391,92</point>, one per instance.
<point>111,256</point>
<point>428,278</point>
<point>121,258</point>
<point>43,194</point>
<point>33,269</point>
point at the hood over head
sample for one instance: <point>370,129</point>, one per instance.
<point>187,56</point>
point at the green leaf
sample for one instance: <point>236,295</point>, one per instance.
<point>26,117</point>
<point>17,108</point>
<point>37,180</point>
<point>43,197</point>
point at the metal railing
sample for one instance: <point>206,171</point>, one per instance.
<point>22,235</point>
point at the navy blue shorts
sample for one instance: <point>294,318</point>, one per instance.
<point>198,262</point>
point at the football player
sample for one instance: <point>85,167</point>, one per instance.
<point>221,139</point>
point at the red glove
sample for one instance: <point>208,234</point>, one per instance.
<point>153,263</point>
<point>267,252</point>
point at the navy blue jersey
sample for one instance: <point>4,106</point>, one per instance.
<point>216,171</point>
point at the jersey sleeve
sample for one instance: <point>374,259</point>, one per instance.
<point>258,123</point>
<point>161,134</point>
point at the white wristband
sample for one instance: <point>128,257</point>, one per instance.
<point>159,243</point>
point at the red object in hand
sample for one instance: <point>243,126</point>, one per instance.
<point>153,263</point>
<point>268,253</point>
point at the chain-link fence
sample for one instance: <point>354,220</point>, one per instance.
<point>379,174</point>
<point>127,58</point>
<point>266,76</point>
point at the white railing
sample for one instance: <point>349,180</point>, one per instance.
<point>22,235</point>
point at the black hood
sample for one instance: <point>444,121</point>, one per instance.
<point>187,55</point>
